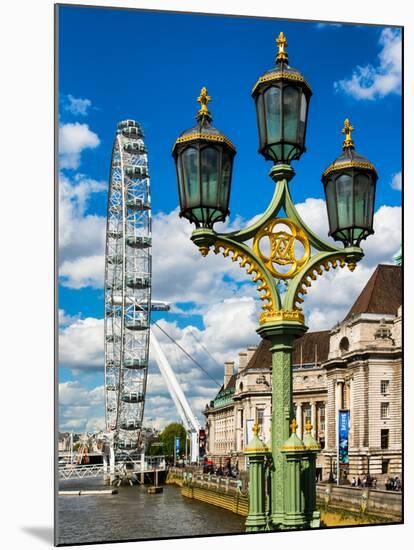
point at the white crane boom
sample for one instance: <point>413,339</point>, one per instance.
<point>184,410</point>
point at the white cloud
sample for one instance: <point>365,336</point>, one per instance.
<point>195,279</point>
<point>81,344</point>
<point>87,271</point>
<point>376,81</point>
<point>80,408</point>
<point>65,319</point>
<point>396,182</point>
<point>95,424</point>
<point>73,139</point>
<point>81,235</point>
<point>77,105</point>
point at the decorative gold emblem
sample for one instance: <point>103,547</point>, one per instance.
<point>282,44</point>
<point>293,426</point>
<point>283,247</point>
<point>204,100</point>
<point>256,429</point>
<point>347,130</point>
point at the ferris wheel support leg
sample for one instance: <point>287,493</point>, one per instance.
<point>111,462</point>
<point>194,447</point>
<point>105,467</point>
<point>142,468</point>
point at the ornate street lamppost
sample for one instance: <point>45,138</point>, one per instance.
<point>283,249</point>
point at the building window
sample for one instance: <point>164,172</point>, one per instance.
<point>385,386</point>
<point>241,418</point>
<point>385,439</point>
<point>306,414</point>
<point>322,417</point>
<point>259,416</point>
<point>322,442</point>
<point>344,345</point>
<point>385,466</point>
<point>385,411</point>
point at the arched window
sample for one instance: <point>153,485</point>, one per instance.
<point>344,345</point>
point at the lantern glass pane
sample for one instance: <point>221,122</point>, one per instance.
<point>344,201</point>
<point>225,182</point>
<point>210,158</point>
<point>272,102</point>
<point>302,118</point>
<point>290,113</point>
<point>190,169</point>
<point>181,183</point>
<point>261,120</point>
<point>331,205</point>
<point>364,195</point>
<point>362,200</point>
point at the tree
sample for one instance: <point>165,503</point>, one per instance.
<point>168,435</point>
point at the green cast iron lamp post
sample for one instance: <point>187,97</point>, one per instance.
<point>283,249</point>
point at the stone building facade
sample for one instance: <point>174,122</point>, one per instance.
<point>356,366</point>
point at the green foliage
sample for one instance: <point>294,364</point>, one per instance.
<point>155,448</point>
<point>167,437</point>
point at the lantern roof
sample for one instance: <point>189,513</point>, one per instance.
<point>203,130</point>
<point>282,71</point>
<point>349,158</point>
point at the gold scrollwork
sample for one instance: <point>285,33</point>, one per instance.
<point>338,260</point>
<point>247,262</point>
<point>282,247</point>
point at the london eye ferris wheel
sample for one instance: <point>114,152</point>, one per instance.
<point>127,287</point>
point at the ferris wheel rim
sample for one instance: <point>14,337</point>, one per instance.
<point>128,170</point>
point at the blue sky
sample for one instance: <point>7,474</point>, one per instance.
<point>116,64</point>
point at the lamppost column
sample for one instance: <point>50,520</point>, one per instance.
<point>281,336</point>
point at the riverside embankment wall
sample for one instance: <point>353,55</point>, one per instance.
<point>232,495</point>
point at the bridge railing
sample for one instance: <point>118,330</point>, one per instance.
<point>81,471</point>
<point>222,484</point>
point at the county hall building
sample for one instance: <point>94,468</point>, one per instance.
<point>357,366</point>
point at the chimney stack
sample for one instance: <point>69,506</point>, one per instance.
<point>242,360</point>
<point>228,372</point>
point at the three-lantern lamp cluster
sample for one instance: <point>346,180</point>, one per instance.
<point>204,156</point>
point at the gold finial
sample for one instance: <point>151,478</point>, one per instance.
<point>281,41</point>
<point>293,426</point>
<point>347,129</point>
<point>256,429</point>
<point>204,250</point>
<point>203,99</point>
<point>308,426</point>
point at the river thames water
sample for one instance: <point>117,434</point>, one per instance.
<point>132,514</point>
